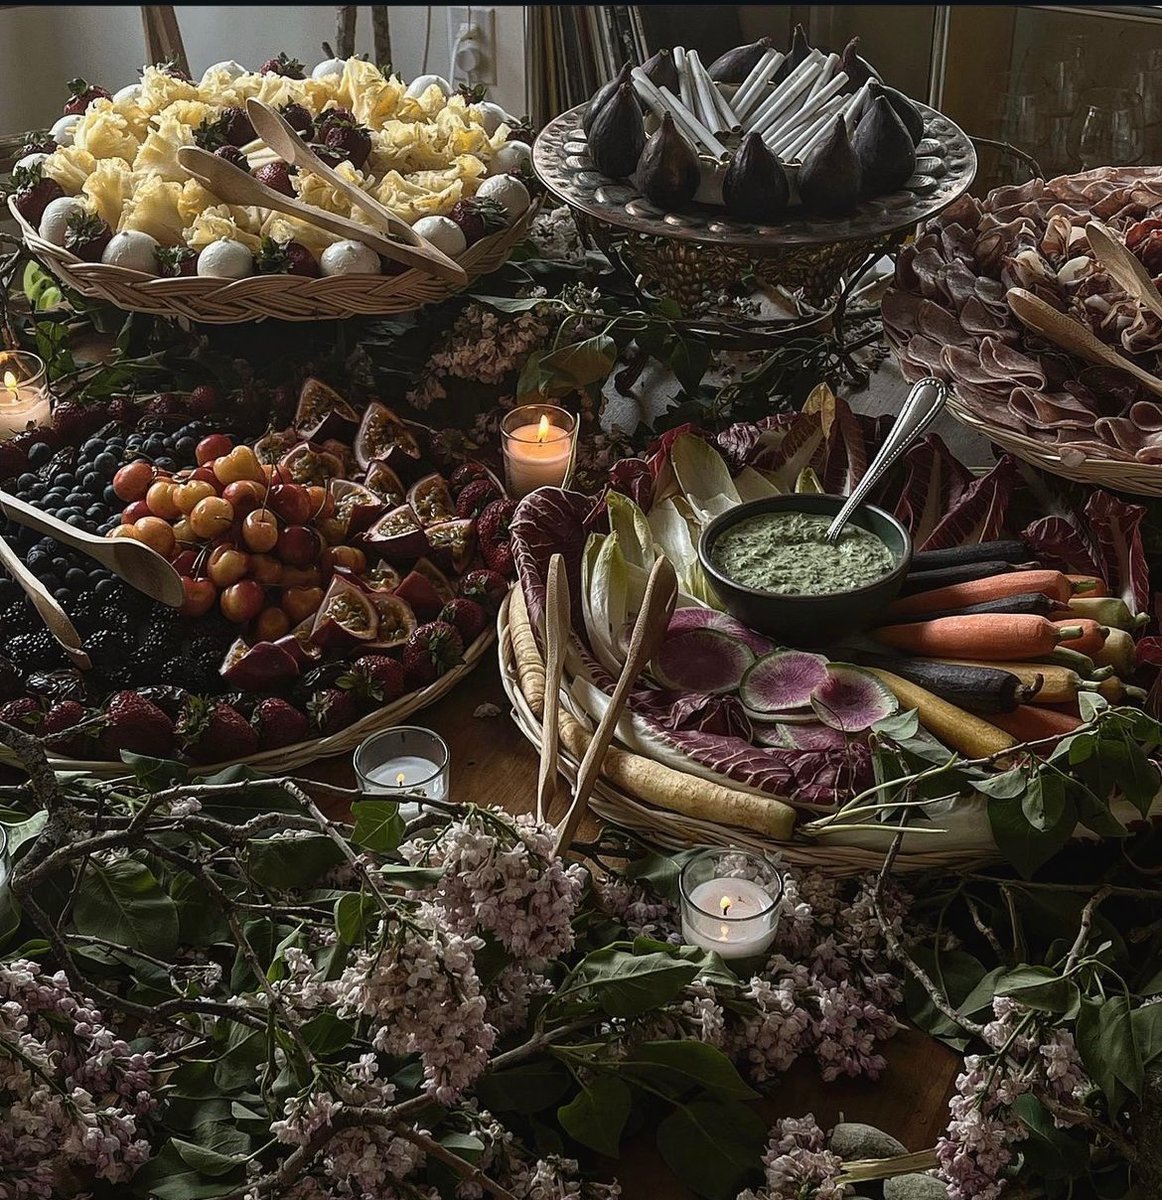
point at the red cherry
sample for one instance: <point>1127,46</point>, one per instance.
<point>213,446</point>
<point>298,546</point>
<point>135,511</point>
<point>200,596</point>
<point>243,601</point>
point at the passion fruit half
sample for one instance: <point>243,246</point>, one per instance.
<point>385,483</point>
<point>274,445</point>
<point>396,621</point>
<point>453,543</point>
<point>382,577</point>
<point>384,436</point>
<point>345,618</point>
<point>299,645</point>
<point>398,535</point>
<point>263,667</point>
<point>322,413</point>
<point>426,589</point>
<point>356,507</point>
<point>431,500</point>
<point>310,465</point>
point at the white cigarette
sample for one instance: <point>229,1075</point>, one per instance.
<point>853,110</point>
<point>818,136</point>
<point>803,115</point>
<point>830,66</point>
<point>685,87</point>
<point>726,120</point>
<point>746,97</point>
<point>705,110</point>
<point>662,100</point>
<point>784,97</point>
<point>796,140</point>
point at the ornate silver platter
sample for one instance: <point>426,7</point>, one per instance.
<point>685,254</point>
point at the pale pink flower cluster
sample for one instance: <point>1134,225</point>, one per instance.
<point>640,911</point>
<point>72,1092</point>
<point>423,995</point>
<point>510,993</point>
<point>554,235</point>
<point>500,878</point>
<point>798,1164</point>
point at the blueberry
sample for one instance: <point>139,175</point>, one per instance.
<point>97,512</point>
<point>26,482</point>
<point>106,462</point>
<point>106,588</point>
<point>110,496</point>
<point>76,578</point>
<point>185,447</point>
<point>50,581</point>
<point>166,463</point>
<point>39,453</point>
<point>62,595</point>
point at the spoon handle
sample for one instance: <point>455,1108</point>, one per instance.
<point>55,618</point>
<point>923,405</point>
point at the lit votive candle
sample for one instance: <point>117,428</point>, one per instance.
<point>23,398</point>
<point>538,447</point>
<point>730,902</point>
<point>405,761</point>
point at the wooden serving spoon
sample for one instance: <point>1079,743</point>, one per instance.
<point>140,567</point>
<point>1123,266</point>
<point>648,631</point>
<point>558,621</point>
<point>51,613</point>
<point>286,143</point>
<point>1072,336</point>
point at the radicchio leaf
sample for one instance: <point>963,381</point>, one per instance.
<point>1117,526</point>
<point>633,478</point>
<point>979,513</point>
<point>933,480</point>
<point>722,715</point>
<point>1059,542</point>
<point>546,522</point>
<point>737,444</point>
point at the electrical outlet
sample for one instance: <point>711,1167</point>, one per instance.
<point>472,44</point>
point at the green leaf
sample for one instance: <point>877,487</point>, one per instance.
<point>689,360</point>
<point>326,1034</point>
<point>1079,748</point>
<point>1146,1021</point>
<point>1042,989</point>
<point>1050,1152</point>
<point>1139,778</point>
<point>660,871</point>
<point>466,1145</point>
<point>1043,801</point>
<point>624,984</point>
<point>509,304</point>
<point>154,774</point>
<point>526,1089</point>
<point>215,1158</point>
<point>378,825</point>
<point>353,913</point>
<point>404,876</point>
<point>957,973</point>
<point>597,1116</point>
<point>20,832</point>
<point>714,1147</point>
<point>1024,846</point>
<point>284,863</point>
<point>1108,1045</point>
<point>1089,704</point>
<point>579,364</point>
<point>123,903</point>
<point>200,920</point>
<point>1006,786</point>
<point>168,1177</point>
<point>689,1064</point>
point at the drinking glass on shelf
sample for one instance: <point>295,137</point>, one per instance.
<point>1021,119</point>
<point>1108,129</point>
<point>1147,81</point>
<point>1064,77</point>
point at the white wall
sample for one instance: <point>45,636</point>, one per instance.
<point>42,46</point>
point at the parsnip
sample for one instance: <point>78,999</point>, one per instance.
<point>530,667</point>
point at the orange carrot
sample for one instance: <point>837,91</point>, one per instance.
<point>1091,638</point>
<point>993,637</point>
<point>960,595</point>
<point>1089,585</point>
<point>1031,722</point>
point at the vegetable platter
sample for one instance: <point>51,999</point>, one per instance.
<point>1000,710</point>
<point>106,198</point>
<point>337,575</point>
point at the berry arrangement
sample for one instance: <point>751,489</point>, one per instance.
<point>328,569</point>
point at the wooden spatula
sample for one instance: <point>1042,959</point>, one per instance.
<point>51,613</point>
<point>1072,336</point>
<point>284,141</point>
<point>648,631</point>
<point>232,185</point>
<point>557,625</point>
<point>140,567</point>
<point>1123,266</point>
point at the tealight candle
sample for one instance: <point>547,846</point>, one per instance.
<point>730,902</point>
<point>405,761</point>
<point>538,441</point>
<point>23,398</point>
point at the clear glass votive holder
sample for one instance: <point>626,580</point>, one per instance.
<point>23,396</point>
<point>406,762</point>
<point>730,901</point>
<point>539,445</point>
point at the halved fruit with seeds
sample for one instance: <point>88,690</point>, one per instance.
<point>385,483</point>
<point>263,667</point>
<point>356,508</point>
<point>431,500</point>
<point>382,435</point>
<point>453,543</point>
<point>396,621</point>
<point>398,535</point>
<point>309,464</point>
<point>323,413</point>
<point>345,617</point>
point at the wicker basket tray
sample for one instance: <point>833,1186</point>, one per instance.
<point>277,297</point>
<point>288,758</point>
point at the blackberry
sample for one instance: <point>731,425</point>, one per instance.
<point>177,671</point>
<point>105,647</point>
<point>20,617</point>
<point>35,651</point>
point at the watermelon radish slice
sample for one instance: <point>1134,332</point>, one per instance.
<point>851,699</point>
<point>812,736</point>
<point>783,680</point>
<point>702,660</point>
<point>694,617</point>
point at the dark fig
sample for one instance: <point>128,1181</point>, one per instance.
<point>755,187</point>
<point>735,65</point>
<point>857,69</point>
<point>660,70</point>
<point>800,48</point>
<point>605,93</point>
<point>904,108</point>
<point>618,134</point>
<point>667,171</point>
<point>884,148</point>
<point>831,178</point>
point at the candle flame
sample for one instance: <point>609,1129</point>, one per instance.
<point>10,380</point>
<point>400,779</point>
<point>543,430</point>
<point>724,903</point>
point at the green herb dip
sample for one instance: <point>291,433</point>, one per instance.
<point>785,552</point>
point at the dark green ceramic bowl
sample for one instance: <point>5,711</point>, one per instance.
<point>809,620</point>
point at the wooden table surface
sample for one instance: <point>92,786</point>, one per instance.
<point>492,763</point>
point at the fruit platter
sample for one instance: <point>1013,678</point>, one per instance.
<point>1013,648</point>
<point>104,200</point>
<point>760,156</point>
<point>337,574</point>
<point>1088,413</point>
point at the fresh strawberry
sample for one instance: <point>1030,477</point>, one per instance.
<point>487,588</point>
<point>285,258</point>
<point>177,260</point>
<point>476,497</point>
<point>164,404</point>
<point>24,713</point>
<point>204,400</point>
<point>281,65</point>
<point>328,154</point>
<point>375,679</point>
<point>465,473</point>
<point>299,119</point>
<point>74,422</point>
<point>333,709</point>
<point>467,616</point>
<point>237,127</point>
<point>494,537</point>
<point>133,723</point>
<point>57,724</point>
<point>210,134</point>
<point>343,116</point>
<point>171,68</point>
<point>277,175</point>
<point>37,141</point>
<point>339,130</point>
<point>279,724</point>
<point>234,157</point>
<point>122,409</point>
<point>431,650</point>
<point>80,95</point>
<point>213,731</point>
<point>478,218</point>
<point>34,191</point>
<point>86,235</point>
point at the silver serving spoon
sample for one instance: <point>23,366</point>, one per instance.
<point>923,405</point>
